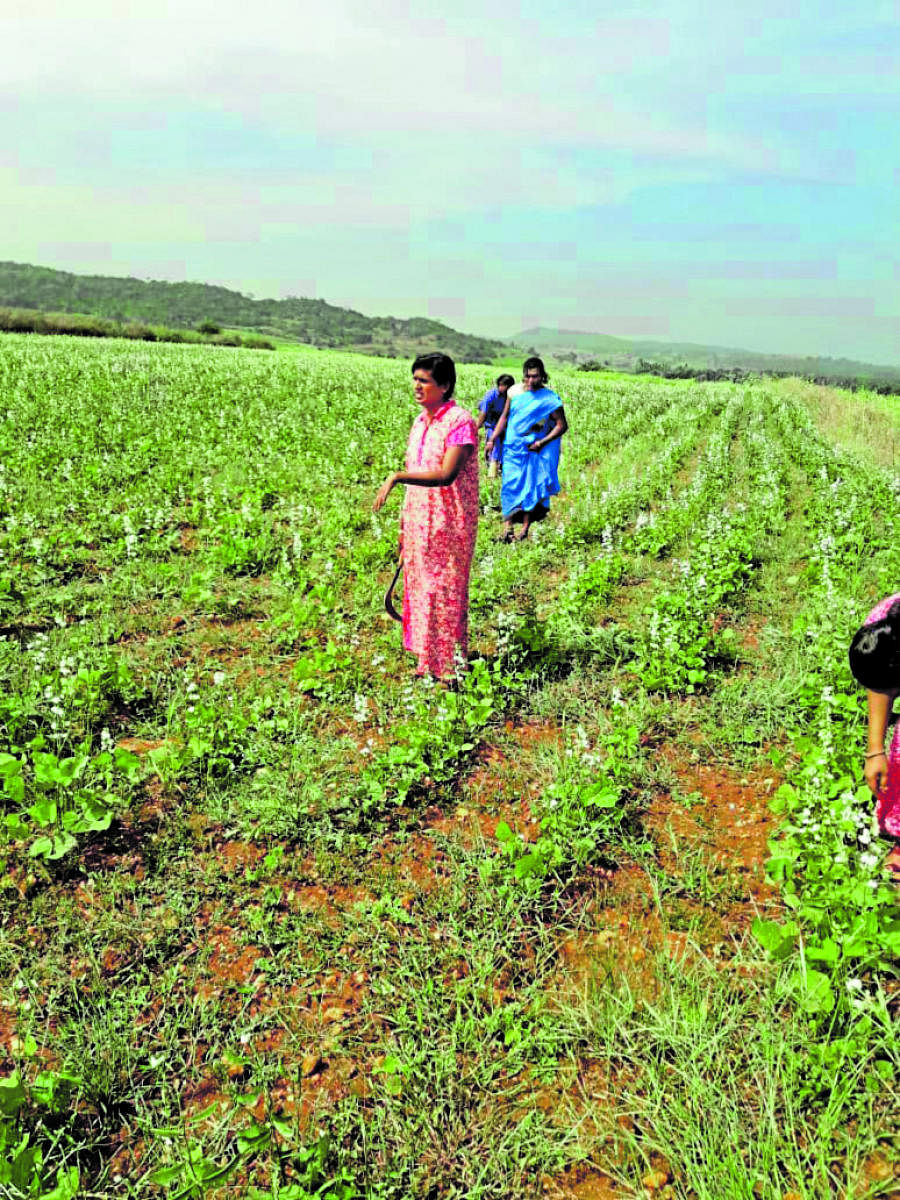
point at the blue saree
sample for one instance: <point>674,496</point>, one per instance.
<point>529,478</point>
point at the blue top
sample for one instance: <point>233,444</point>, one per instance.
<point>492,405</point>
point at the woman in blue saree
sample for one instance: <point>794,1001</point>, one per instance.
<point>533,421</point>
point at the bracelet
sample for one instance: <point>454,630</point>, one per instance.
<point>874,754</point>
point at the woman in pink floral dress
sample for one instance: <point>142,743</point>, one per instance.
<point>440,520</point>
<point>875,662</point>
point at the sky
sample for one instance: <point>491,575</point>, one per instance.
<point>720,173</point>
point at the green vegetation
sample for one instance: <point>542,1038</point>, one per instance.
<point>281,920</point>
<point>128,302</point>
<point>21,320</point>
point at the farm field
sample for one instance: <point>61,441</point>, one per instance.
<point>280,920</point>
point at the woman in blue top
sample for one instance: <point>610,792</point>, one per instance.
<point>533,421</point>
<point>490,410</point>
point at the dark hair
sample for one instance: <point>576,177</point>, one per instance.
<point>530,363</point>
<point>875,652</point>
<point>507,379</point>
<point>441,368</point>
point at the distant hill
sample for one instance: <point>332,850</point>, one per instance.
<point>188,305</point>
<point>626,353</point>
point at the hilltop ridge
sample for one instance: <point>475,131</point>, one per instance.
<point>626,354</point>
<point>188,305</point>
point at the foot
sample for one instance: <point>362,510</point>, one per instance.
<point>522,534</point>
<point>506,534</point>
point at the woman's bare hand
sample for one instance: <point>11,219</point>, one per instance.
<point>876,769</point>
<point>383,492</point>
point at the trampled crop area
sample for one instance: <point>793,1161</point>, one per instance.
<point>606,919</point>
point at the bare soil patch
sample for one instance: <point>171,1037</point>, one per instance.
<point>731,818</point>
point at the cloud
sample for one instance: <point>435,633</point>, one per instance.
<point>620,161</point>
<point>348,71</point>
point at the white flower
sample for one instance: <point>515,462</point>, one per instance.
<point>218,678</point>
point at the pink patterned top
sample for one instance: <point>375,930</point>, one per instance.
<point>887,808</point>
<point>439,528</point>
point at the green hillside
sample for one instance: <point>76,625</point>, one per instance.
<point>188,305</point>
<point>625,354</point>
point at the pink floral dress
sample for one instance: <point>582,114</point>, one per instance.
<point>439,526</point>
<point>887,808</point>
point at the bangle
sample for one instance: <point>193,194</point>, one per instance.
<point>874,754</point>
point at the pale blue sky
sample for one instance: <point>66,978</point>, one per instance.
<point>670,169</point>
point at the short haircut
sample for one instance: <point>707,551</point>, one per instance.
<point>530,364</point>
<point>507,379</point>
<point>875,652</point>
<point>441,368</point>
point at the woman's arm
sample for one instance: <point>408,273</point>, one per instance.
<point>451,465</point>
<point>480,419</point>
<point>880,704</point>
<point>501,424</point>
<point>561,426</point>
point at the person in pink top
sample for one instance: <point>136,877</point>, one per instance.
<point>440,520</point>
<point>875,663</point>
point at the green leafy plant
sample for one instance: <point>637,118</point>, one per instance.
<point>22,1159</point>
<point>54,799</point>
<point>302,1170</point>
<point>581,814</point>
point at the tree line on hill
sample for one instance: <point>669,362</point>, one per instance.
<point>620,354</point>
<point>23,320</point>
<point>853,383</point>
<point>153,303</point>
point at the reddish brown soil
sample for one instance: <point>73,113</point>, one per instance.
<point>187,538</point>
<point>732,821</point>
<point>586,1183</point>
<point>582,1183</point>
<point>138,746</point>
<point>9,1040</point>
<point>881,1171</point>
<point>622,928</point>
